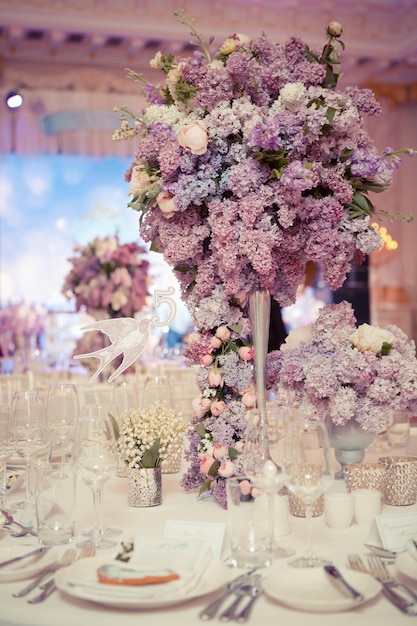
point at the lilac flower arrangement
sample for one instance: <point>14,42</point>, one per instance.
<point>248,164</point>
<point>337,370</point>
<point>108,279</point>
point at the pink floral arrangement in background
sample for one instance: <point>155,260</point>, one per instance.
<point>108,279</point>
<point>337,370</point>
<point>21,326</point>
<point>249,164</point>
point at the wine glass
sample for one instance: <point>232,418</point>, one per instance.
<point>95,458</point>
<point>62,410</point>
<point>107,412</point>
<point>28,432</point>
<point>157,389</point>
<point>307,481</point>
<point>5,449</point>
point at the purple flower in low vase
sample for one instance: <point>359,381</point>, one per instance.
<point>349,377</point>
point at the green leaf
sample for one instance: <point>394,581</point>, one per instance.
<point>236,328</point>
<point>151,457</point>
<point>233,453</point>
<point>386,348</point>
<point>331,112</point>
<point>205,486</point>
<point>200,430</point>
<point>154,246</point>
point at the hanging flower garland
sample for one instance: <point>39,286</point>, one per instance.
<point>249,163</point>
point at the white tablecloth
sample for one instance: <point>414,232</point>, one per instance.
<point>178,505</point>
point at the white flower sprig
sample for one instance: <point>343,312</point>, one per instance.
<point>140,428</point>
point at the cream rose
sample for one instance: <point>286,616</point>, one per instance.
<point>193,137</point>
<point>139,180</point>
<point>334,29</point>
<point>296,337</point>
<point>370,338</point>
<point>230,44</point>
<point>223,333</point>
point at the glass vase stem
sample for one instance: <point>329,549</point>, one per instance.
<point>259,312</point>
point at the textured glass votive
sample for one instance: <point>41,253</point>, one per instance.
<point>400,486</point>
<point>364,476</point>
<point>298,509</point>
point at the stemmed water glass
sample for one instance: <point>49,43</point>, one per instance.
<point>107,412</point>
<point>261,450</point>
<point>308,480</point>
<point>62,410</point>
<point>28,431</point>
<point>95,458</point>
<point>5,449</point>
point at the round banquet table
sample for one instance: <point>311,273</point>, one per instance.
<point>65,610</point>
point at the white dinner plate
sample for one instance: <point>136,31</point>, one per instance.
<point>312,589</point>
<point>405,564</point>
<point>26,568</point>
<point>80,581</point>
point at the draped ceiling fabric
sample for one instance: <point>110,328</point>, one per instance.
<point>69,100</point>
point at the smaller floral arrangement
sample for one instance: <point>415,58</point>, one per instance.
<point>151,436</point>
<point>337,370</point>
<point>108,279</point>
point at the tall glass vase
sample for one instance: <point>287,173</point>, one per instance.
<point>256,444</point>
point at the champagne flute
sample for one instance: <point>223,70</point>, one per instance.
<point>307,481</point>
<point>62,410</point>
<point>28,432</point>
<point>107,412</point>
<point>96,461</point>
<point>5,449</point>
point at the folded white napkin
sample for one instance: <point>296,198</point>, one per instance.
<point>411,548</point>
<point>151,556</point>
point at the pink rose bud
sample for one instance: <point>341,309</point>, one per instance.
<point>207,359</point>
<point>223,333</point>
<point>205,403</point>
<point>215,378</point>
<point>217,407</point>
<point>256,492</point>
<point>198,409</point>
<point>205,464</point>
<point>226,469</point>
<point>219,451</point>
<point>215,343</point>
<point>249,399</point>
<point>193,137</point>
<point>239,445</point>
<point>245,353</point>
<point>245,487</point>
<point>166,203</point>
<point>334,29</point>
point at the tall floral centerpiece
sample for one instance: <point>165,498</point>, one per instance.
<point>248,164</point>
<point>349,376</point>
<point>108,280</point>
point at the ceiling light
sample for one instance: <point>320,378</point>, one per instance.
<point>14,100</point>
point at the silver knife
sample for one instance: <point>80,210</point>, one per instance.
<point>336,575</point>
<point>25,556</point>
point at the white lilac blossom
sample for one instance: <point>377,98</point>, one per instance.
<point>347,373</point>
<point>266,166</point>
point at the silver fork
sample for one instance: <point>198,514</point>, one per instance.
<point>355,562</point>
<point>88,550</point>
<point>67,558</point>
<point>381,570</point>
